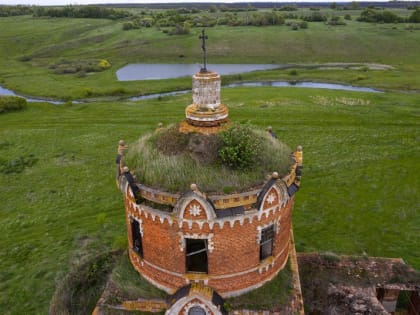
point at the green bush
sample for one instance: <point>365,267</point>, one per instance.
<point>17,165</point>
<point>181,29</point>
<point>335,20</point>
<point>415,16</point>
<point>240,147</point>
<point>373,16</point>
<point>80,67</point>
<point>295,27</point>
<point>128,26</point>
<point>80,289</point>
<point>303,24</point>
<point>11,103</point>
<point>315,17</point>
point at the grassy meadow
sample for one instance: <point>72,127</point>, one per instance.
<point>360,183</point>
<point>34,45</point>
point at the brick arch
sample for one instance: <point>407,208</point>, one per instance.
<point>183,305</point>
<point>276,195</point>
<point>194,207</point>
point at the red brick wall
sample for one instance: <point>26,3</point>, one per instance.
<point>235,250</point>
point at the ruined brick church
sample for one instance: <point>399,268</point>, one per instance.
<point>210,246</point>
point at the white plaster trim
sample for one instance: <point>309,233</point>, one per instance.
<point>282,195</point>
<point>262,227</point>
<point>129,192</point>
<point>191,301</point>
<point>140,221</point>
<point>212,118</point>
<point>184,202</point>
<point>196,303</point>
<point>212,221</point>
<point>123,184</point>
<point>181,241</point>
<point>154,213</point>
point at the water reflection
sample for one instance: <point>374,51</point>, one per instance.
<point>144,71</point>
<point>310,85</point>
<point>7,92</point>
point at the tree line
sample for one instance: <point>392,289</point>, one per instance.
<point>94,12</point>
<point>193,17</point>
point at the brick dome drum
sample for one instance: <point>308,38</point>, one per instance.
<point>200,246</point>
<point>233,243</point>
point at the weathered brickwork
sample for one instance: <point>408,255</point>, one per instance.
<point>202,248</point>
<point>233,262</point>
<point>145,305</point>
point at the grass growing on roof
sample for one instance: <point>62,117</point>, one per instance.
<point>175,172</point>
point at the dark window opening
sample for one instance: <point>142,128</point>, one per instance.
<point>196,310</point>
<point>196,255</point>
<point>266,243</point>
<point>136,236</point>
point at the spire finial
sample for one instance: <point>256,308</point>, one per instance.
<point>203,38</point>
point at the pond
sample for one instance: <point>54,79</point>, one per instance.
<point>144,71</point>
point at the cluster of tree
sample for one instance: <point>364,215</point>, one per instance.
<point>255,19</point>
<point>353,6</point>
<point>315,17</point>
<point>415,16</point>
<point>335,20</point>
<point>177,21</point>
<point>180,29</point>
<point>94,12</point>
<point>286,8</point>
<point>249,7</point>
<point>377,16</point>
<point>15,10</point>
<point>297,25</point>
<point>187,10</point>
<point>138,23</point>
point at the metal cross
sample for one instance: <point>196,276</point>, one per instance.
<point>203,38</point>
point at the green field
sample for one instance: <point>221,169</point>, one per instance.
<point>360,183</point>
<point>42,42</point>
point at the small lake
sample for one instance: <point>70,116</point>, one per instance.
<point>145,71</point>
